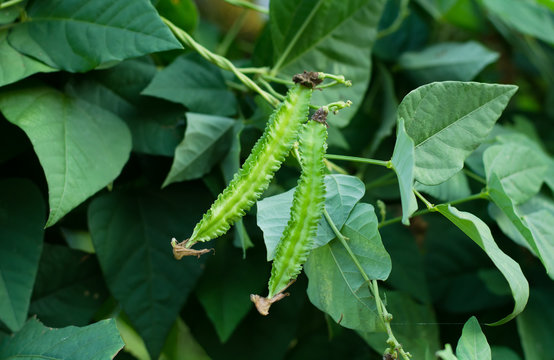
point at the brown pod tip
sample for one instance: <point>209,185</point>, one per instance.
<point>263,304</point>
<point>180,250</point>
<point>309,79</point>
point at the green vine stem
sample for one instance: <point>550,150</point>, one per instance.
<point>9,3</point>
<point>403,12</point>
<point>248,5</point>
<point>475,177</point>
<point>387,164</point>
<point>384,315</point>
<point>220,61</point>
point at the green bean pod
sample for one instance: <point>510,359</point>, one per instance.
<point>307,207</point>
<point>257,171</point>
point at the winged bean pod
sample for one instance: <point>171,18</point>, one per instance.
<point>307,206</point>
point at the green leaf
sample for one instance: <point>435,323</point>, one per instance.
<point>78,239</point>
<point>390,104</point>
<point>335,283</point>
<point>79,35</point>
<point>342,194</point>
<point>131,232</point>
<point>447,61</point>
<point>156,125</point>
<point>230,165</point>
<point>11,13</point>
<point>81,147</point>
<point>524,16</point>
<point>473,344</point>
<point>69,288</point>
<point>480,233</point>
<point>504,353</point>
<point>534,228</point>
<point>403,164</point>
<point>536,325</point>
<point>16,66</point>
<point>192,81</point>
<point>520,170</point>
<point>437,8</point>
<point>447,353</point>
<point>409,316</point>
<point>457,187</point>
<point>447,121</point>
<point>21,232</point>
<point>204,144</point>
<point>328,36</point>
<point>98,341</point>
<point>227,304</point>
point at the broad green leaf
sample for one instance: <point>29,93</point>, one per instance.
<point>480,233</point>
<point>98,341</point>
<point>447,61</point>
<point>133,342</point>
<point>192,81</point>
<point>12,12</point>
<point>328,36</point>
<point>14,65</point>
<point>156,125</point>
<point>204,144</point>
<point>447,121</point>
<point>414,325</point>
<point>403,164</point>
<point>81,147</point>
<point>473,344</point>
<point>21,232</point>
<point>527,17</point>
<point>457,187</point>
<point>446,353</point>
<point>230,164</point>
<point>182,13</point>
<point>388,114</point>
<point>535,229</point>
<point>520,170</point>
<point>335,284</point>
<point>131,232</point>
<point>79,35</point>
<point>69,288</point>
<point>342,194</point>
<point>536,325</point>
<point>227,303</point>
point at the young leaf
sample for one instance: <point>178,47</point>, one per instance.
<point>527,17</point>
<point>98,341</point>
<point>447,121</point>
<point>199,85</point>
<point>81,147</point>
<point>80,35</point>
<point>480,233</point>
<point>21,232</point>
<point>534,233</point>
<point>335,283</point>
<point>69,288</point>
<point>342,192</point>
<point>16,66</point>
<point>403,164</point>
<point>156,125</point>
<point>203,145</point>
<point>473,344</point>
<point>447,61</point>
<point>446,353</point>
<point>520,170</point>
<point>131,232</point>
<point>328,36</point>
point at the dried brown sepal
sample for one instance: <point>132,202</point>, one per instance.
<point>309,79</point>
<point>320,116</point>
<point>263,304</point>
<point>180,250</point>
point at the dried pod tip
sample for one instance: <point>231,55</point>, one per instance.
<point>263,304</point>
<point>180,250</point>
<point>320,115</point>
<point>309,79</point>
